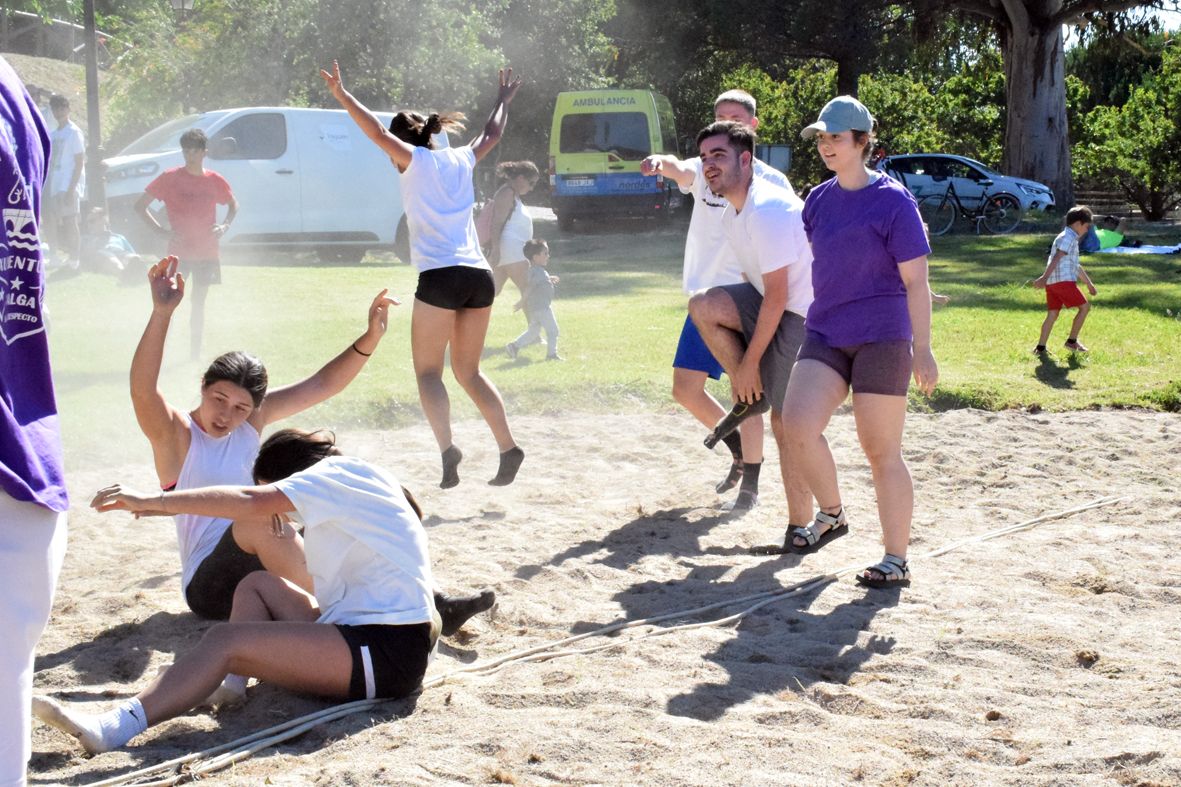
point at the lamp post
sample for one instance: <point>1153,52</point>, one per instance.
<point>182,9</point>
<point>95,188</point>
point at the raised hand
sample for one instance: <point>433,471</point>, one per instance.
<point>168,286</point>
<point>379,313</point>
<point>508,86</point>
<point>333,79</point>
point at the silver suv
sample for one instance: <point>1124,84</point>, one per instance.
<point>928,173</point>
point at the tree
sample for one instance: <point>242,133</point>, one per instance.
<point>1134,145</point>
<point>1037,138</point>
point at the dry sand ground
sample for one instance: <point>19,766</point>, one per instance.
<point>1048,656</point>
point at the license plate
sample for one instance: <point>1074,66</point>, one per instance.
<point>580,183</point>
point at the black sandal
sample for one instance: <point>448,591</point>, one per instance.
<point>894,573</point>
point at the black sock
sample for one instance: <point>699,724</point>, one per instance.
<point>510,463</point>
<point>750,477</point>
<point>451,459</point>
<point>454,611</point>
<point>733,441</point>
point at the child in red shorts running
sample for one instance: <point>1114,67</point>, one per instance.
<point>1062,272</point>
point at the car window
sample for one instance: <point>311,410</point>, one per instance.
<point>958,169</point>
<point>904,166</point>
<point>623,133</point>
<point>258,136</point>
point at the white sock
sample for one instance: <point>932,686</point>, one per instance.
<point>97,732</point>
<point>123,723</point>
<point>235,683</point>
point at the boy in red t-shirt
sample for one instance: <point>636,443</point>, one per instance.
<point>191,195</point>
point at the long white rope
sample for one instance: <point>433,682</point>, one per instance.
<point>205,762</point>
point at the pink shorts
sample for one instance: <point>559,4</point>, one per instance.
<point>1064,295</point>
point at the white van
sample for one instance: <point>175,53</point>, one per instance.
<point>305,179</point>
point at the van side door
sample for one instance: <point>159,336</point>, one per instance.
<point>350,187</point>
<point>254,152</point>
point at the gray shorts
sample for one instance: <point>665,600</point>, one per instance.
<point>873,368</point>
<point>775,366</point>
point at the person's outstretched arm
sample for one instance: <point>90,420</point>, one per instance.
<point>334,376</point>
<point>493,130</point>
<point>163,425</point>
<point>680,172</point>
<point>229,502</point>
<point>400,152</point>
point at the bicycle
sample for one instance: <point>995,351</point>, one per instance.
<point>998,213</point>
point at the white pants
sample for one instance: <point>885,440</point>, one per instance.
<point>542,318</point>
<point>32,547</point>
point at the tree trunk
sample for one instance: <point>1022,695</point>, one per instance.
<point>1037,141</point>
<point>848,73</point>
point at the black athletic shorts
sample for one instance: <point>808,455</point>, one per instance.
<point>388,661</point>
<point>210,593</point>
<point>456,287</point>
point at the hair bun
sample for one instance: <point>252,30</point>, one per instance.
<point>433,124</point>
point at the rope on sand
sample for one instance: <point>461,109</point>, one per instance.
<point>205,762</point>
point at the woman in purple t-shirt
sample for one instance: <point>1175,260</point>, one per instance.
<point>869,329</point>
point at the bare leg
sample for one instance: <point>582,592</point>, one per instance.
<point>813,393</point>
<point>799,495</point>
<point>283,557</point>
<point>880,421</point>
<point>689,391</point>
<point>1079,319</point>
<point>519,273</point>
<point>197,317</point>
<point>1047,326</point>
<point>430,331</point>
<point>467,345</point>
<point>499,277</point>
<point>716,316</point>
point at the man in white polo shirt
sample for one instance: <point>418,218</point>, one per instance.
<point>755,328</point>
<point>709,262</point>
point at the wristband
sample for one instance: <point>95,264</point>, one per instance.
<point>358,352</point>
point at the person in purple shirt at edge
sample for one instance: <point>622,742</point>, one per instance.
<point>869,329</point>
<point>33,500</point>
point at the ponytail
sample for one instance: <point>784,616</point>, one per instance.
<point>412,128</point>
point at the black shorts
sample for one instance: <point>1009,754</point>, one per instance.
<point>873,368</point>
<point>388,661</point>
<point>210,593</point>
<point>456,287</point>
<point>203,272</point>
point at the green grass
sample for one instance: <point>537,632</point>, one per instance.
<point>620,309</point>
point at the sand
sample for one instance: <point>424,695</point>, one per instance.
<point>1047,656</point>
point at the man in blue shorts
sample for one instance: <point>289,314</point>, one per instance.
<point>709,262</point>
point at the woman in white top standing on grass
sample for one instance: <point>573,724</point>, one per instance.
<point>453,302</point>
<point>368,631</point>
<point>512,227</point>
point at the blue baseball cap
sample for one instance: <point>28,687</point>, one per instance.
<point>843,113</point>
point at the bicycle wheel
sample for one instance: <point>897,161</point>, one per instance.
<point>1001,213</point>
<point>937,212</point>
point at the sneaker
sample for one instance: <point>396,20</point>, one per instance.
<point>511,350</point>
<point>739,413</point>
<point>1075,346</point>
<point>554,357</point>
